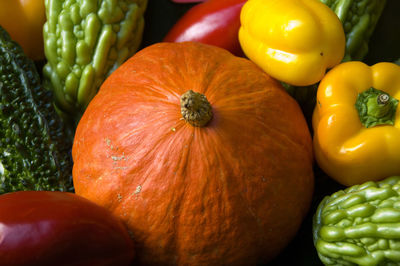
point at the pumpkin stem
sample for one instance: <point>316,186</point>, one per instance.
<point>195,108</point>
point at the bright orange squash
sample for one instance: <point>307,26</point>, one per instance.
<point>228,184</point>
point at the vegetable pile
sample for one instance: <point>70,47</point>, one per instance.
<point>240,132</point>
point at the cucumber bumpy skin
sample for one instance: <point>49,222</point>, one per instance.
<point>359,18</point>
<point>34,146</point>
<point>86,40</point>
<point>360,225</point>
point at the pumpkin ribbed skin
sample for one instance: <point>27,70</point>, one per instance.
<point>233,192</point>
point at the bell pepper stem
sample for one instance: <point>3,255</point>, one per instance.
<point>376,107</point>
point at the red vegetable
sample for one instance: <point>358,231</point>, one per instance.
<point>187,1</point>
<point>214,22</point>
<point>60,228</point>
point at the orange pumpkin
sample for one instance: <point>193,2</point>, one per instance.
<point>206,158</point>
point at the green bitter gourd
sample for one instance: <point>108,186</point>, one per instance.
<point>34,144</point>
<point>85,40</point>
<point>359,19</point>
<point>360,225</point>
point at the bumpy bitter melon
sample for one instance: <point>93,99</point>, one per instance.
<point>86,40</point>
<point>360,225</point>
<point>359,19</point>
<point>34,146</point>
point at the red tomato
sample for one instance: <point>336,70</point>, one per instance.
<point>60,228</point>
<point>214,22</point>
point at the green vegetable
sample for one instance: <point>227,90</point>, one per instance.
<point>376,107</point>
<point>34,146</point>
<point>85,40</point>
<point>360,225</point>
<point>359,18</point>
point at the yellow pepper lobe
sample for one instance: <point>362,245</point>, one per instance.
<point>294,41</point>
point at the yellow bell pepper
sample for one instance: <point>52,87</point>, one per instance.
<point>24,20</point>
<point>356,122</point>
<point>294,41</point>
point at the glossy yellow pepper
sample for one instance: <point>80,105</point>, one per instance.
<point>294,41</point>
<point>356,122</point>
<point>24,20</point>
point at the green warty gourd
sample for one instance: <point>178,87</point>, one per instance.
<point>85,41</point>
<point>34,144</point>
<point>360,225</point>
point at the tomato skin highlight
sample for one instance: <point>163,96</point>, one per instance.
<point>60,228</point>
<point>214,22</point>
